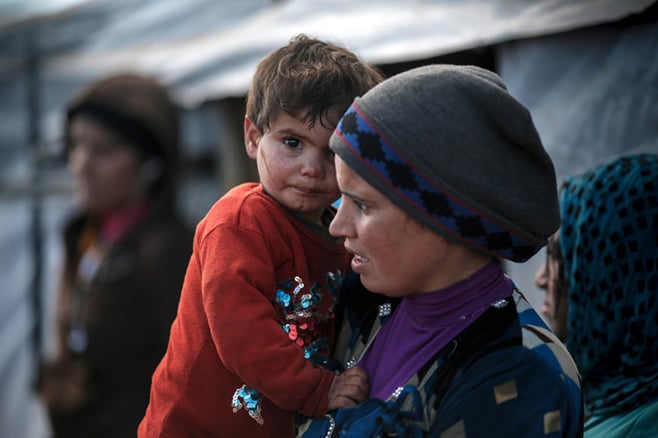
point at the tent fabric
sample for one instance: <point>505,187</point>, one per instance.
<point>208,49</point>
<point>591,90</point>
<point>592,95</point>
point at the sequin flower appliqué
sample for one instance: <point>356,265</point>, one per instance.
<point>304,316</point>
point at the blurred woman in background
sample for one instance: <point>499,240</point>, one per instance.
<point>126,253</point>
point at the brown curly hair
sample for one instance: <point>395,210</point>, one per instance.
<point>310,79</point>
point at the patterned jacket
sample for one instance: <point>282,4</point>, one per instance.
<point>113,327</point>
<point>506,374</point>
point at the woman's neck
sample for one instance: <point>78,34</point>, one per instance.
<point>457,264</point>
<point>116,223</point>
<point>464,299</point>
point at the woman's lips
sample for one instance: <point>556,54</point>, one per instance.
<point>360,259</point>
<point>357,260</point>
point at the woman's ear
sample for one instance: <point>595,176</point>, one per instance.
<point>251,137</point>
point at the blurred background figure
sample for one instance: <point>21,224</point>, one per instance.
<point>126,253</point>
<point>550,278</point>
<point>601,278</point>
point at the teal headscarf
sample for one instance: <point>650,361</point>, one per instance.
<point>609,240</point>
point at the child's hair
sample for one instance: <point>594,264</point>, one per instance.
<point>317,77</point>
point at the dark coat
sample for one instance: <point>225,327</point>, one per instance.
<point>127,312</point>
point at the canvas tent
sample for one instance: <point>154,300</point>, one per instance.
<point>588,71</point>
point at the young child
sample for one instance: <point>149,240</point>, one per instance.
<point>255,320</point>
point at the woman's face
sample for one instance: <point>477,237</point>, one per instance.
<point>394,254</point>
<point>106,170</point>
<point>550,278</point>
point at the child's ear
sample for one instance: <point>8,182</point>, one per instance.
<point>251,137</point>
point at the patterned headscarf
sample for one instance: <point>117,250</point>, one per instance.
<point>609,240</point>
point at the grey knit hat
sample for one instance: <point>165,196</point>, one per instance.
<point>452,148</point>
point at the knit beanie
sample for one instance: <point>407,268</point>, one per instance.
<point>137,108</point>
<point>451,147</point>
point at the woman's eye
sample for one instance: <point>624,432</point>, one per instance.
<point>93,149</point>
<point>361,206</point>
<point>292,142</point>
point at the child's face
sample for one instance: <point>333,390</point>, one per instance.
<point>295,164</point>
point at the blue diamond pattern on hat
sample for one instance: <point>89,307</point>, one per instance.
<point>452,217</point>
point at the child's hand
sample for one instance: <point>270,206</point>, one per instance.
<point>348,388</point>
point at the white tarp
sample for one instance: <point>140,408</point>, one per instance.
<point>208,49</point>
<point>592,94</point>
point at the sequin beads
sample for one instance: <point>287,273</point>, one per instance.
<point>249,399</point>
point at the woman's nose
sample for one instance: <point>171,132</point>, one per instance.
<point>541,276</point>
<point>337,227</point>
<point>79,158</point>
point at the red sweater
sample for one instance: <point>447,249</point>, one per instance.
<point>240,322</point>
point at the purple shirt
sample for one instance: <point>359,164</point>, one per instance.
<point>424,323</point>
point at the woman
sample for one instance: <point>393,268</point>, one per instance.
<point>550,278</point>
<point>126,253</point>
<point>604,268</point>
<point>442,174</point>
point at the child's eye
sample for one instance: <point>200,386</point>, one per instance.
<point>291,142</point>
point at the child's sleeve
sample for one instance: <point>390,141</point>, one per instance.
<point>238,281</point>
